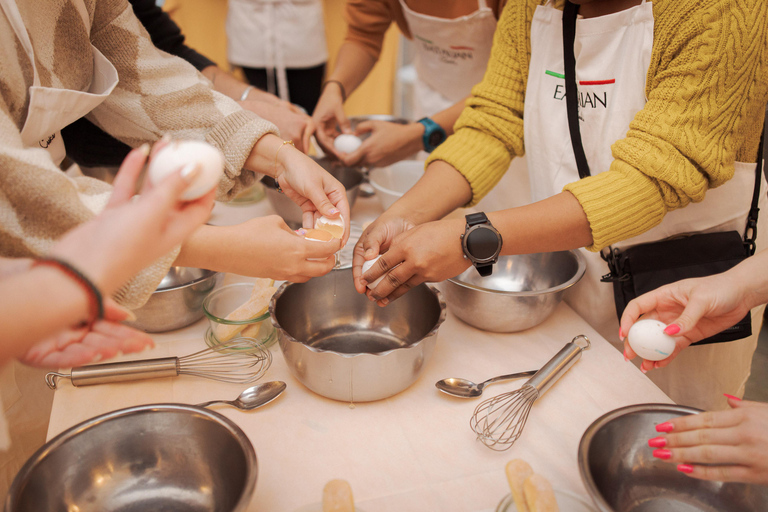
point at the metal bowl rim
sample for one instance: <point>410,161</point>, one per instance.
<point>581,269</point>
<point>287,336</point>
<point>224,321</point>
<point>246,445</point>
<point>381,188</point>
<point>207,275</point>
<point>595,426</point>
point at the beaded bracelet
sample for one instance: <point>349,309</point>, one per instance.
<point>95,301</point>
<point>285,142</point>
<point>341,87</point>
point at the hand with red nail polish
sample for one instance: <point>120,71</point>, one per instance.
<point>730,445</point>
<point>694,309</point>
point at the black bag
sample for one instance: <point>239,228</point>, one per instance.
<point>645,267</point>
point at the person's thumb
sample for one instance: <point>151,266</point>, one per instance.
<point>693,312</point>
<point>341,118</point>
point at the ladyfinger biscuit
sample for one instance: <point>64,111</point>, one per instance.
<point>539,495</point>
<point>256,306</point>
<point>337,497</point>
<point>517,471</point>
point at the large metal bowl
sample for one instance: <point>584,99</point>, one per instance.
<point>178,300</point>
<point>342,346</point>
<point>350,177</point>
<point>522,292</point>
<point>622,475</point>
<point>168,457</point>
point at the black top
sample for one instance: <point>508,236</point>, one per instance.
<point>89,145</point>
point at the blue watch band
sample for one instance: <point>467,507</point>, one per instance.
<point>433,136</point>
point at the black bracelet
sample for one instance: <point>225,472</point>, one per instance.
<point>96,302</point>
<point>341,86</point>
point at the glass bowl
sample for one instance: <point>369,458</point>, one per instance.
<point>220,303</point>
<point>566,501</point>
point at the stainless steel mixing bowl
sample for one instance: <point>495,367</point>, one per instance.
<point>178,300</point>
<point>345,347</point>
<point>350,177</point>
<point>168,457</point>
<point>621,474</point>
<point>522,292</point>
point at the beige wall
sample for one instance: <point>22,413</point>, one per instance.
<point>202,22</point>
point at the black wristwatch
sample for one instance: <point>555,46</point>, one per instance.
<point>481,243</point>
<point>434,135</point>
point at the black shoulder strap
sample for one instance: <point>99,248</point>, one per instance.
<point>571,92</point>
<point>572,104</point>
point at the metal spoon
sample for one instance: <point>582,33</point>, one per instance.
<point>464,388</point>
<point>253,397</point>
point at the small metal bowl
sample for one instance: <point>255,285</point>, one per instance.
<point>350,177</point>
<point>342,346</point>
<point>178,300</point>
<point>621,474</point>
<point>521,293</point>
<point>168,457</point>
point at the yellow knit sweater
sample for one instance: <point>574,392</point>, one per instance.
<point>706,87</point>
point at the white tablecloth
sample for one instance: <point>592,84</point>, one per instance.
<point>414,451</point>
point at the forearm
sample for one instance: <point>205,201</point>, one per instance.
<point>263,156</point>
<point>225,83</point>
<point>203,249</point>
<point>557,223</point>
<point>448,117</point>
<point>440,190</point>
<point>751,278</point>
<point>38,303</point>
<point>352,66</point>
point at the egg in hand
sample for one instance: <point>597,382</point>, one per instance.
<point>347,143</point>
<point>181,153</point>
<point>649,341</point>
<point>367,266</point>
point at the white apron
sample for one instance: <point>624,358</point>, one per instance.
<point>276,35</point>
<point>27,404</point>
<point>612,58</point>
<point>451,57</point>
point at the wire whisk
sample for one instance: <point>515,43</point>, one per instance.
<point>499,421</point>
<point>238,361</point>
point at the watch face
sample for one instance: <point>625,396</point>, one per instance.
<point>435,139</point>
<point>482,243</point>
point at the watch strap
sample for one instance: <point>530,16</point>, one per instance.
<point>473,219</point>
<point>430,127</point>
<point>484,270</point>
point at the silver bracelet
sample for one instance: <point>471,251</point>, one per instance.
<point>244,96</point>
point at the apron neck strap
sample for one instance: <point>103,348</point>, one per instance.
<point>571,92</point>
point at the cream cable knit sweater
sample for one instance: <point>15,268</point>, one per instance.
<point>157,94</point>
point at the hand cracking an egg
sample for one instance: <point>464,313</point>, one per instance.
<point>347,143</point>
<point>334,226</point>
<point>186,153</point>
<point>649,341</point>
<point>367,266</point>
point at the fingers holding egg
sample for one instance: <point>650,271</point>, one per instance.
<point>347,143</point>
<point>333,226</point>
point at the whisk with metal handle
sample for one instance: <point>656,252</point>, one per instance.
<point>499,421</point>
<point>239,361</point>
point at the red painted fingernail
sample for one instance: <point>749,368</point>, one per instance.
<point>626,359</point>
<point>731,397</point>
<point>665,427</point>
<point>662,454</point>
<point>685,468</point>
<point>657,442</point>
<point>642,369</point>
<point>672,329</point>
<point>621,334</point>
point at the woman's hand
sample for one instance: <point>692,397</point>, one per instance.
<point>76,347</point>
<point>311,187</point>
<point>130,234</point>
<point>429,252</point>
<point>329,118</point>
<point>693,309</point>
<point>267,247</point>
<point>292,123</point>
<point>727,446</point>
<point>387,143</point>
<point>376,239</point>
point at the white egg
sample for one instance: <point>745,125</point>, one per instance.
<point>367,266</point>
<point>178,154</point>
<point>347,143</point>
<point>649,341</point>
<point>334,226</point>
